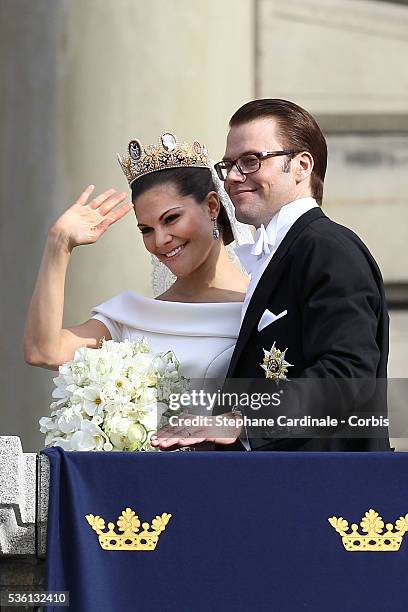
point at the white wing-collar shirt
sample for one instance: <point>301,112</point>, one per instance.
<point>256,257</point>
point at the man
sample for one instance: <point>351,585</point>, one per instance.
<point>315,289</point>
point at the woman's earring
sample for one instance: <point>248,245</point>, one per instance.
<point>216,231</point>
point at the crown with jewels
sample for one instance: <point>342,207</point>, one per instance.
<point>168,153</point>
<point>131,537</point>
<point>376,538</point>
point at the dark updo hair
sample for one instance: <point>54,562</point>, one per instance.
<point>195,182</point>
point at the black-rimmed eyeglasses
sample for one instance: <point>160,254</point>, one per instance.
<point>247,164</point>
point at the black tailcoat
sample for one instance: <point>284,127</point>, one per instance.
<point>336,326</point>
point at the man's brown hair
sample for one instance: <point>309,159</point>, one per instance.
<point>297,130</point>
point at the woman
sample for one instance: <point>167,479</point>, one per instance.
<point>185,227</point>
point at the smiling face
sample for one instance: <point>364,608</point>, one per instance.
<point>258,196</point>
<point>177,229</point>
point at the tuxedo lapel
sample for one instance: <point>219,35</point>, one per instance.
<point>268,282</point>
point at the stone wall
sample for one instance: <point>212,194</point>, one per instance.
<point>344,60</point>
<point>24,484</point>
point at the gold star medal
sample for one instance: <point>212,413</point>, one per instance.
<point>274,363</point>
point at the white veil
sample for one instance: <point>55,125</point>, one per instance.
<point>162,278</point>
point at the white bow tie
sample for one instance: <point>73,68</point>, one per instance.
<point>250,255</point>
<point>262,243</point>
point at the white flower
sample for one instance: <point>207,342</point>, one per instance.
<point>47,424</point>
<point>118,389</point>
<point>113,406</point>
<point>98,435</point>
<point>166,363</point>
<point>69,420</point>
<point>102,367</point>
<point>139,367</point>
<point>153,415</point>
<point>122,385</point>
<point>136,435</point>
<point>65,373</point>
<point>64,443</point>
<point>60,390</point>
<point>93,400</point>
<point>146,396</point>
<point>117,427</point>
<point>51,436</point>
<point>82,441</point>
<point>88,438</point>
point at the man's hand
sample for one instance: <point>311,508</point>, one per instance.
<point>185,434</point>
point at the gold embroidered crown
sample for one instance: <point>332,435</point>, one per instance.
<point>139,161</point>
<point>131,537</point>
<point>375,538</point>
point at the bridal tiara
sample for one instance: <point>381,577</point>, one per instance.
<point>168,153</point>
<point>138,161</point>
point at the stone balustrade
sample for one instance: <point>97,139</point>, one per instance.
<point>24,485</point>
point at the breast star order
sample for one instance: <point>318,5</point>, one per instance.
<point>274,363</point>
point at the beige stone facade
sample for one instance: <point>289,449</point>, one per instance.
<point>84,76</point>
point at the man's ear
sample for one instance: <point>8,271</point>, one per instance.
<point>304,166</point>
<point>213,204</point>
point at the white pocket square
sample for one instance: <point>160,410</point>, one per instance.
<point>269,317</point>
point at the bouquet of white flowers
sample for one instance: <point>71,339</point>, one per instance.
<point>112,398</point>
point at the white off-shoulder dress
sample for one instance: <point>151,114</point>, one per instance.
<point>202,335</point>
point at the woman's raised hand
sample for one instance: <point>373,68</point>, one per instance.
<point>85,222</point>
